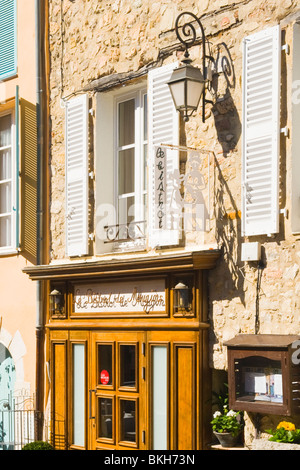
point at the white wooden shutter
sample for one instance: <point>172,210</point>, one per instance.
<point>77,176</point>
<point>163,129</point>
<point>261,132</point>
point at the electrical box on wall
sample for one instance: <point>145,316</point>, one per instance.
<point>251,251</point>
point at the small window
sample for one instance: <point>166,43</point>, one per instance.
<point>7,184</point>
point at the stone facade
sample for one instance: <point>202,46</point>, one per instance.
<point>90,40</point>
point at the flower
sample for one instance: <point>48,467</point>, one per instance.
<point>285,432</point>
<point>228,421</point>
<point>286,425</point>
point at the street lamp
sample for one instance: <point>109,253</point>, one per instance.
<point>187,83</point>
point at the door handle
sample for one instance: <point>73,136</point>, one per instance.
<point>90,403</point>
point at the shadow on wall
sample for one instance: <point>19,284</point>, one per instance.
<point>226,210</point>
<point>228,235</point>
<point>227,120</point>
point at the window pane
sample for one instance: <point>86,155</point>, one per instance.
<point>128,365</point>
<point>105,364</point>
<point>159,405</point>
<point>5,131</point>
<point>5,164</point>
<point>5,231</point>
<point>128,421</point>
<point>78,394</point>
<point>105,418</point>
<point>5,198</point>
<point>145,118</point>
<point>126,123</point>
<point>126,212</point>
<point>145,166</point>
<point>126,171</point>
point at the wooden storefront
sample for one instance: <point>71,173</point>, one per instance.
<point>128,367</point>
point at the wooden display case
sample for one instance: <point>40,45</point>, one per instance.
<point>264,374</point>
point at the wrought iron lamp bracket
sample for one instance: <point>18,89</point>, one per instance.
<point>187,35</point>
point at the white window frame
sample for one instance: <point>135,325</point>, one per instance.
<point>12,248</point>
<point>140,186</point>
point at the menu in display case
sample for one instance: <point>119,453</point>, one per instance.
<point>263,384</point>
<point>262,374</point>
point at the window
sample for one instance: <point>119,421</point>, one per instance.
<point>130,174</point>
<point>129,125</point>
<point>8,55</point>
<point>7,184</point>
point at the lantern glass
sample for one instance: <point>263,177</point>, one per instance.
<point>186,86</point>
<point>182,297</point>
<point>194,92</point>
<point>178,93</point>
<point>56,303</point>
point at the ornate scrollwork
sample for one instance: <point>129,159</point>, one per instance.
<point>186,32</point>
<point>125,232</point>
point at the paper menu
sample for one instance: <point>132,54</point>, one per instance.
<point>255,382</point>
<point>263,383</point>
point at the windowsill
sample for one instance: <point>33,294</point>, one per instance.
<point>124,247</point>
<point>9,252</point>
<point>9,77</point>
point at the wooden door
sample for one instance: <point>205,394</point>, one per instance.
<point>127,390</point>
<point>117,396</point>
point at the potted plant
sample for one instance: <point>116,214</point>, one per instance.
<point>227,426</point>
<point>38,445</point>
<point>285,432</point>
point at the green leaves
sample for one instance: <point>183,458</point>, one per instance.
<point>283,435</point>
<point>227,422</point>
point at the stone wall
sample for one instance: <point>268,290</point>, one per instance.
<point>93,39</point>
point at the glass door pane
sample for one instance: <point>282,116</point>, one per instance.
<point>159,404</point>
<point>105,419</point>
<point>79,394</point>
<point>128,420</point>
<point>105,364</point>
<point>128,365</point>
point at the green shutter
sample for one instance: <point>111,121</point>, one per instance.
<point>8,39</point>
